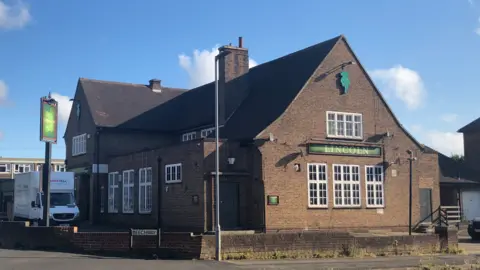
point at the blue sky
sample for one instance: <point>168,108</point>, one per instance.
<point>423,55</point>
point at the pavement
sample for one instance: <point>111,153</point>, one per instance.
<point>27,260</point>
<point>23,260</point>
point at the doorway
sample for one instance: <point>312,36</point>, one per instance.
<point>471,204</point>
<point>229,205</point>
<point>426,204</point>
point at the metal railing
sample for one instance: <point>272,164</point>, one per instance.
<point>442,216</point>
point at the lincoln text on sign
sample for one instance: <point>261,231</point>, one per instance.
<point>337,149</point>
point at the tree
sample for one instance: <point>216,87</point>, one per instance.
<point>457,157</point>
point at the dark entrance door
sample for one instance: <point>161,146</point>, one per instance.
<point>425,204</point>
<point>229,205</point>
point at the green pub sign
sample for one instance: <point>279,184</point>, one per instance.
<point>48,120</point>
<point>347,150</point>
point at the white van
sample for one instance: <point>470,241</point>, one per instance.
<point>28,198</point>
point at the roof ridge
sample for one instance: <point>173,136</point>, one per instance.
<point>112,82</point>
<point>300,50</point>
<point>129,84</point>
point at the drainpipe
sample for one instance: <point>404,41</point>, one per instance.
<point>159,193</point>
<point>97,175</point>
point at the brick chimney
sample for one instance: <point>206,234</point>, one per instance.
<point>155,84</point>
<point>232,63</point>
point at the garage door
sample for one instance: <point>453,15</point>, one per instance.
<point>471,204</point>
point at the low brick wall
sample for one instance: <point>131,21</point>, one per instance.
<point>317,244</point>
<point>305,244</point>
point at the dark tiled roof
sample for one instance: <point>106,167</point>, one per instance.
<point>471,127</point>
<point>452,171</point>
<point>192,109</point>
<point>248,116</point>
<point>113,103</point>
<point>273,86</point>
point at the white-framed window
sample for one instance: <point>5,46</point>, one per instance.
<point>374,179</point>
<point>59,168</point>
<point>344,125</point>
<point>205,132</point>
<point>22,168</point>
<point>145,190</point>
<point>346,182</point>
<point>102,199</point>
<point>189,136</point>
<point>79,145</point>
<point>173,173</point>
<point>128,180</point>
<point>317,185</point>
<point>4,168</point>
<point>113,179</point>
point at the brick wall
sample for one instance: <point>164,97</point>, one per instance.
<point>20,235</point>
<point>305,120</point>
<point>178,211</point>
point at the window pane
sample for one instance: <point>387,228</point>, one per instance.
<point>179,173</point>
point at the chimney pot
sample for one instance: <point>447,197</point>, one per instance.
<point>155,84</point>
<point>240,42</point>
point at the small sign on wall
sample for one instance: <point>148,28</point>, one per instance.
<point>273,200</point>
<point>394,173</point>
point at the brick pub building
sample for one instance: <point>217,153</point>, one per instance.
<point>307,143</point>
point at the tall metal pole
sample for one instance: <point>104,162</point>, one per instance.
<point>46,184</point>
<point>410,197</point>
<point>217,172</point>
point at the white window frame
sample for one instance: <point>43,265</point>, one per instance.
<point>318,178</point>
<point>334,134</point>
<point>189,136</point>
<point>7,167</point>
<point>350,183</point>
<point>128,180</point>
<point>205,132</point>
<point>79,145</point>
<point>16,168</point>
<point>173,173</point>
<point>59,167</point>
<point>145,183</point>
<point>113,178</point>
<point>377,180</point>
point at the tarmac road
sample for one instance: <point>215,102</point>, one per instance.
<point>28,260</point>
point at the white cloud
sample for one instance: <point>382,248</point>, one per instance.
<point>449,117</point>
<point>200,67</point>
<point>406,84</point>
<point>64,107</point>
<point>447,143</point>
<point>14,16</point>
<point>3,92</point>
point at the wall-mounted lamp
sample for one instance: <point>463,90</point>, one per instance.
<point>296,167</point>
<point>231,160</point>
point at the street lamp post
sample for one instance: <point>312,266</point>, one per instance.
<point>410,159</point>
